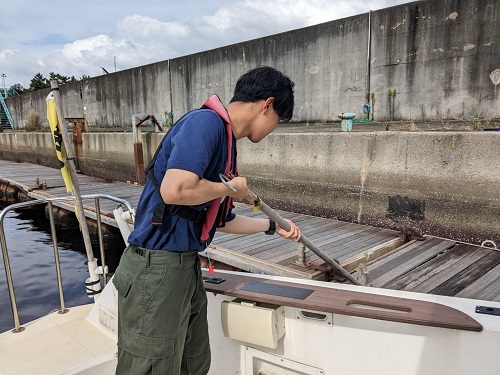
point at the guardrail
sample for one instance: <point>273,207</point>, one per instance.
<point>4,109</point>
<point>49,202</point>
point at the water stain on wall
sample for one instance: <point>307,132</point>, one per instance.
<point>405,207</point>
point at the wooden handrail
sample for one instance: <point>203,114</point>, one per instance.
<point>344,302</point>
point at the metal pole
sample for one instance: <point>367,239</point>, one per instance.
<point>101,242</point>
<point>140,178</point>
<point>3,84</point>
<point>70,162</point>
<point>301,256</point>
<point>62,310</point>
<point>273,215</point>
<point>8,275</point>
<point>368,59</point>
<point>6,263</point>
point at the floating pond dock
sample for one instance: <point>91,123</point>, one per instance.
<point>393,260</point>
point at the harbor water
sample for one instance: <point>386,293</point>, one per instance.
<point>31,255</point>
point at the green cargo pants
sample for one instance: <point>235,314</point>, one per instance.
<point>162,313</point>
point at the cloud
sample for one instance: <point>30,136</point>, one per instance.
<point>139,40</point>
<point>20,65</point>
<point>147,29</point>
<point>157,34</point>
<point>250,19</point>
<point>96,44</point>
<point>87,56</point>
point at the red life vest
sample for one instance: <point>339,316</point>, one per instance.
<point>217,211</point>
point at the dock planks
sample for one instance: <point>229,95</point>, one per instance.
<point>434,265</point>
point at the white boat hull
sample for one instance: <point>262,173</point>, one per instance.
<point>355,345</point>
<point>333,344</point>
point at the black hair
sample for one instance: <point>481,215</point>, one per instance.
<point>262,83</point>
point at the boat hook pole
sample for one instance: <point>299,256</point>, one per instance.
<point>273,215</point>
<point>93,283</point>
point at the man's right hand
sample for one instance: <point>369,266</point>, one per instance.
<point>241,186</point>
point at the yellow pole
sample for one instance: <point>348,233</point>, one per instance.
<point>94,280</point>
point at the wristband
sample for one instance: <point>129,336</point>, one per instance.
<point>272,228</point>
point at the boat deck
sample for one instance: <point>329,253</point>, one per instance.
<point>393,260</point>
<point>76,338</point>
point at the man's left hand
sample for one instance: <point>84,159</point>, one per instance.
<point>293,234</point>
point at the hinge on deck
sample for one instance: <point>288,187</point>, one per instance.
<point>329,273</point>
<point>38,185</point>
<point>410,234</point>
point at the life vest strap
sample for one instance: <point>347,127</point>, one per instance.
<point>186,212</point>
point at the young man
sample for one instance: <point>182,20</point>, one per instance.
<point>162,304</point>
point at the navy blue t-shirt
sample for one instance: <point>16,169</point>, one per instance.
<point>197,143</point>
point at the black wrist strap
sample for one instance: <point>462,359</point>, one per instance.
<point>272,228</point>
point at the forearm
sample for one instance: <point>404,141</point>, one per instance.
<point>248,225</point>
<point>245,225</point>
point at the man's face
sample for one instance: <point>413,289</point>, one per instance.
<point>264,124</point>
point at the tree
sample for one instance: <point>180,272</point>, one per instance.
<point>59,78</point>
<point>38,82</point>
<point>17,89</point>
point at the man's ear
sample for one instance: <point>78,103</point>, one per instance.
<point>268,102</point>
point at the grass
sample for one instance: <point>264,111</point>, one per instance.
<point>33,122</point>
<point>477,117</point>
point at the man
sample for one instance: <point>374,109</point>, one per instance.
<point>162,304</point>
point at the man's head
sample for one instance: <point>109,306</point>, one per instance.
<point>263,83</point>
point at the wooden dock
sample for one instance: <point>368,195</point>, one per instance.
<point>394,261</point>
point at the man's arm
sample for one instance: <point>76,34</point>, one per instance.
<point>186,188</point>
<point>248,225</point>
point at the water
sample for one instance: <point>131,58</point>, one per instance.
<point>31,256</point>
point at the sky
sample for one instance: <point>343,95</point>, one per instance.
<point>76,38</point>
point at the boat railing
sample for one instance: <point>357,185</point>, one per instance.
<point>50,203</point>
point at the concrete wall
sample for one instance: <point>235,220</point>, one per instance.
<point>36,148</point>
<point>325,62</point>
<point>437,55</point>
<point>443,183</point>
<point>111,100</point>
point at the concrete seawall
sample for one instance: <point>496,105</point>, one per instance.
<point>442,183</point>
<point>441,58</point>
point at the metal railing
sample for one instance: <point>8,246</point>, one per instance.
<point>49,202</point>
<point>5,110</point>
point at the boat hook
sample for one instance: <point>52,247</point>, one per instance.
<point>273,215</point>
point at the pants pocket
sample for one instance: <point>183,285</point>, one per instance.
<point>122,283</point>
<point>147,347</point>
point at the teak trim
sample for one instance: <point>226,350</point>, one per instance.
<point>345,302</point>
